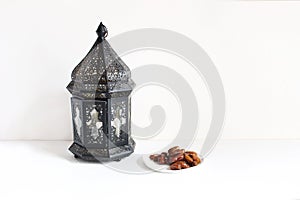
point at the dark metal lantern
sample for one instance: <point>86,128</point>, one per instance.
<point>101,86</point>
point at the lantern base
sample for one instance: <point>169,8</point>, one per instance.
<point>102,155</point>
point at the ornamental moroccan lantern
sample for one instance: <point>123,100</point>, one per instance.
<point>101,88</point>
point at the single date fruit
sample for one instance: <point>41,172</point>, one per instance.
<point>179,165</point>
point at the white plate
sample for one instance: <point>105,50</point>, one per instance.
<point>162,168</point>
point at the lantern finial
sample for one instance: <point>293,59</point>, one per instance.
<point>102,31</point>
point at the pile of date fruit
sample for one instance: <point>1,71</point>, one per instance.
<point>177,158</point>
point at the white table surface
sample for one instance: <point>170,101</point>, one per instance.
<point>236,169</point>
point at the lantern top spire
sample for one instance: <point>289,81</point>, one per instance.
<point>101,72</point>
<point>102,31</point>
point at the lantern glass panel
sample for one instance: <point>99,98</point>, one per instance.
<point>119,121</point>
<point>95,124</point>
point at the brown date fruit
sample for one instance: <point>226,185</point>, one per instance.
<point>179,165</point>
<point>162,159</point>
<point>175,158</point>
<point>177,151</point>
<point>164,153</point>
<point>173,149</point>
<point>153,156</point>
<point>192,158</point>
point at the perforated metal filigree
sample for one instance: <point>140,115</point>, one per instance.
<point>102,70</point>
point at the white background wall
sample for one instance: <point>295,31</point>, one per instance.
<point>254,44</point>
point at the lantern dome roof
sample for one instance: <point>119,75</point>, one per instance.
<point>101,72</point>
